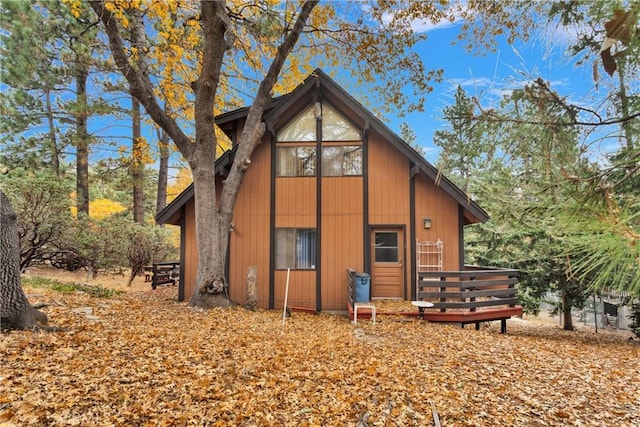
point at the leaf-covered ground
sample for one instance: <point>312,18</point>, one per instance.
<point>141,358</point>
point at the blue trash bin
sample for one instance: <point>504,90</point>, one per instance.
<point>363,285</point>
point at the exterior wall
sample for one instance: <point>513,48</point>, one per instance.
<point>295,207</point>
<point>342,237</point>
<point>434,203</point>
<point>249,240</point>
<point>342,226</point>
<point>348,210</point>
<point>389,195</point>
<point>190,250</point>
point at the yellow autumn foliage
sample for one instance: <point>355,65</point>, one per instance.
<point>183,180</point>
<point>100,208</point>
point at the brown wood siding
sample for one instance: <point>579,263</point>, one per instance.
<point>296,202</point>
<point>295,207</point>
<point>190,250</point>
<point>341,241</point>
<point>302,288</point>
<point>389,192</point>
<point>434,203</point>
<point>249,243</point>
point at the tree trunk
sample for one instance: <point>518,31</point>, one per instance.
<point>627,126</point>
<point>55,158</point>
<point>252,289</point>
<point>82,143</point>
<point>137,163</point>
<point>566,312</point>
<point>15,310</point>
<point>213,217</point>
<point>163,171</point>
<point>212,235</point>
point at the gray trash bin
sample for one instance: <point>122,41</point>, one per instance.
<point>363,287</point>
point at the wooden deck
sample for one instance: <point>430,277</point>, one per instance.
<point>478,294</point>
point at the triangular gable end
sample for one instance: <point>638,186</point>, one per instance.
<point>322,87</point>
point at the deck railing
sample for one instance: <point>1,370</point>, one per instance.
<point>469,289</point>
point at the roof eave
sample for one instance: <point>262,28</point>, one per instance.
<point>169,215</point>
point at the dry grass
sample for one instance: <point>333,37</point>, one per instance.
<point>113,279</point>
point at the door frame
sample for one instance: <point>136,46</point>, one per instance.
<point>388,227</point>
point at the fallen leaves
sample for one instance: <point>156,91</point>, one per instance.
<point>148,360</point>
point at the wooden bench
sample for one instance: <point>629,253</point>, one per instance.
<point>164,272</point>
<point>353,305</point>
<point>470,296</point>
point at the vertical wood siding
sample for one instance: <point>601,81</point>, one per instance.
<point>296,202</point>
<point>434,203</point>
<point>389,192</point>
<point>341,240</point>
<point>388,184</point>
<point>249,240</point>
<point>302,288</point>
<point>295,207</point>
<point>190,250</point>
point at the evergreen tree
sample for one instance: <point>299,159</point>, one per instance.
<point>34,81</point>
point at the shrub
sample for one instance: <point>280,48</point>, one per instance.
<point>42,206</point>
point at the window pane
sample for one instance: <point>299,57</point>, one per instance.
<point>286,161</point>
<point>306,249</point>
<point>302,128</point>
<point>285,248</point>
<point>386,254</point>
<point>296,161</point>
<point>389,238</point>
<point>331,161</point>
<point>352,161</point>
<point>386,247</point>
<point>335,127</point>
<point>306,158</point>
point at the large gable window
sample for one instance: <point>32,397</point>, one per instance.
<point>341,144</point>
<point>300,129</point>
<point>335,127</point>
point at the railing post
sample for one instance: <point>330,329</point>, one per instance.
<point>443,289</point>
<point>511,286</point>
<point>154,278</point>
<point>471,299</point>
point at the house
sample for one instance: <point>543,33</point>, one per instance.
<point>330,187</point>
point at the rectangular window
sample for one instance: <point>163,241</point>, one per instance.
<point>296,161</point>
<point>386,249</point>
<point>345,160</point>
<point>296,248</point>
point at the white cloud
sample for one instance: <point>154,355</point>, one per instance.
<point>471,82</point>
<point>423,26</point>
<point>426,25</point>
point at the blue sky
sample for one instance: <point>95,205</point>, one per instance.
<point>487,76</point>
<point>493,74</point>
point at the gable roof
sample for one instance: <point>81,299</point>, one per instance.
<point>472,211</point>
